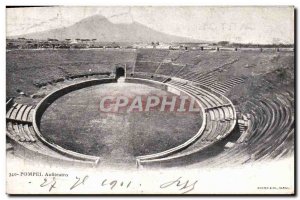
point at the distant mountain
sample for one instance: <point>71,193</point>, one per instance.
<point>98,27</point>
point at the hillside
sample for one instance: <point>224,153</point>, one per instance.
<point>100,28</point>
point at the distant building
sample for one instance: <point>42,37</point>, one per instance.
<point>52,40</point>
<point>174,47</point>
<point>162,46</point>
<point>183,47</point>
<point>85,40</point>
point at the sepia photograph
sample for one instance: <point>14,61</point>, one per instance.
<point>150,100</point>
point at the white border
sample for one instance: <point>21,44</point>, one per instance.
<point>3,3</point>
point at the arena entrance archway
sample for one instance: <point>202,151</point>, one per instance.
<point>120,71</point>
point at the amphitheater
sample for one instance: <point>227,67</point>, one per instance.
<point>246,100</point>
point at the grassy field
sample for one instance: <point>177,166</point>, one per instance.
<point>26,68</point>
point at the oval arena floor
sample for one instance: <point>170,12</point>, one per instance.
<point>76,122</point>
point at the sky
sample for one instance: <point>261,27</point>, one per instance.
<point>265,25</point>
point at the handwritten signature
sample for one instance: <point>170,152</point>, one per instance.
<point>185,186</point>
